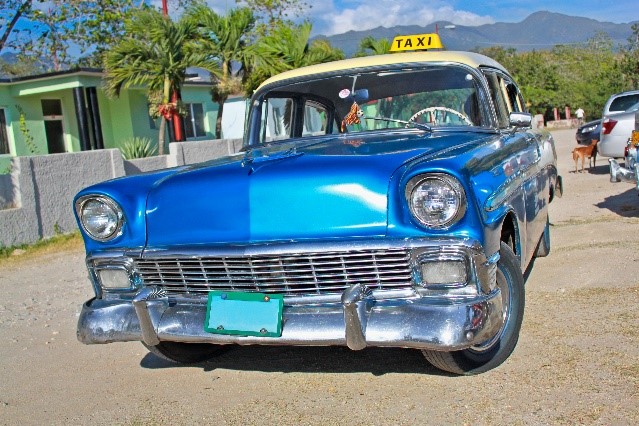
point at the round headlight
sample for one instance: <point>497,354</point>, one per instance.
<point>436,200</point>
<point>101,217</point>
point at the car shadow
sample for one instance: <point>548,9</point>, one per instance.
<point>319,359</point>
<point>595,170</point>
<point>602,169</point>
<point>625,204</point>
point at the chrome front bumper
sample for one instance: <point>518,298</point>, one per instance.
<point>359,320</point>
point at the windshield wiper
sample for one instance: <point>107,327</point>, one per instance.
<point>421,126</point>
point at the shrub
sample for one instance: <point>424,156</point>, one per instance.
<point>137,148</point>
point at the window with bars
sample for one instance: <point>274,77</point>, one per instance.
<point>194,121</point>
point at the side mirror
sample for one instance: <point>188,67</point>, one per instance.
<point>520,119</point>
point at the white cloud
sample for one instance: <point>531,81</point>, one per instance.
<point>222,6</point>
<point>364,15</point>
<point>339,16</point>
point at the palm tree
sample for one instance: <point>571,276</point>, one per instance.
<point>155,52</point>
<point>371,46</point>
<point>286,48</point>
<point>225,39</point>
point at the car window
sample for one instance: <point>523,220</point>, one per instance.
<point>316,120</point>
<point>277,119</point>
<point>497,94</point>
<point>388,99</point>
<point>634,107</point>
<point>515,101</point>
<point>440,108</point>
<point>505,95</point>
<point>623,103</point>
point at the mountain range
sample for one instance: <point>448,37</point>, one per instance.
<point>539,31</point>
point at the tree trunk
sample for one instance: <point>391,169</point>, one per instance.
<point>218,122</point>
<point>166,92</point>
<point>222,96</point>
<point>176,97</point>
<point>161,136</point>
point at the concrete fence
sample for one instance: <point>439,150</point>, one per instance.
<point>36,198</point>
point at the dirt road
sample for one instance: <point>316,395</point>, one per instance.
<point>577,361</point>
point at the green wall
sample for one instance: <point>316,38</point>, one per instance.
<point>32,139</point>
<point>118,120</point>
<point>122,118</point>
<point>5,159</point>
<point>140,120</point>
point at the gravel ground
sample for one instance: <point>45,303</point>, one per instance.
<point>577,361</point>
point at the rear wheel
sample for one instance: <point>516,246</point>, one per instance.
<point>186,353</point>
<point>497,349</point>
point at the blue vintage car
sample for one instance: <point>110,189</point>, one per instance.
<point>390,201</point>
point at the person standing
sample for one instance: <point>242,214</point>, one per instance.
<point>580,116</point>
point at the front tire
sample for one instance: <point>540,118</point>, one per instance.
<point>186,353</point>
<point>496,350</point>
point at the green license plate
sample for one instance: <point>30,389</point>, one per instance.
<point>244,314</point>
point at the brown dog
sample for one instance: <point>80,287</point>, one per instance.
<point>582,152</point>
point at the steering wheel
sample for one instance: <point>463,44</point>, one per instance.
<point>432,110</point>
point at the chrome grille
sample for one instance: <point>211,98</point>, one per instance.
<point>290,274</point>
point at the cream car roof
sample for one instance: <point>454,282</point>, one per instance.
<point>468,58</point>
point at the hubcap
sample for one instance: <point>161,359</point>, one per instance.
<point>504,288</point>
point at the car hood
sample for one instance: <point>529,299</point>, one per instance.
<point>329,188</point>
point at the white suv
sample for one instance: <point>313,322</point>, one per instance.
<point>617,123</point>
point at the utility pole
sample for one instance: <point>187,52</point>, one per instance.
<point>178,128</point>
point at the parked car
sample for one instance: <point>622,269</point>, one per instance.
<point>588,132</point>
<point>618,121</point>
<point>389,201</point>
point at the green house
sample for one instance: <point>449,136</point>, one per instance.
<point>68,112</point>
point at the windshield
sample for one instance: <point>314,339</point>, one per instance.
<point>442,96</point>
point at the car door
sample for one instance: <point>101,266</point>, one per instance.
<point>527,201</point>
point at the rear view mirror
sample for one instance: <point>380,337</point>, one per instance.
<point>360,95</point>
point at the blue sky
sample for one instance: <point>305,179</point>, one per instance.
<point>338,16</point>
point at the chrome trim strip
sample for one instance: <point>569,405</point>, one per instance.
<point>287,247</point>
<point>512,183</point>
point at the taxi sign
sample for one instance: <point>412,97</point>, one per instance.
<point>416,42</point>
